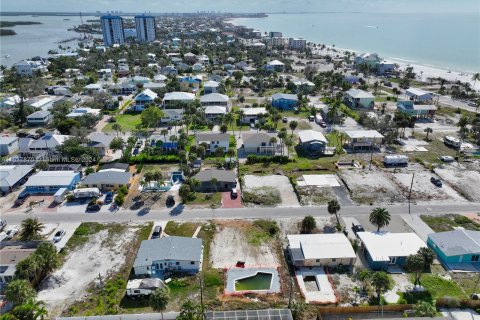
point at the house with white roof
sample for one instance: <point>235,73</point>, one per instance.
<point>370,59</point>
<point>251,115</point>
<point>213,141</point>
<point>83,111</point>
<point>48,182</point>
<point>92,88</point>
<point>215,113</point>
<point>260,143</point>
<point>7,103</point>
<point>12,176</point>
<point>160,78</point>
<point>362,139</point>
<point>210,87</point>
<point>48,143</point>
<point>172,115</point>
<point>39,118</point>
<point>326,250</point>
<point>41,102</point>
<point>8,145</point>
<point>313,142</point>
<point>275,66</point>
<point>215,99</point>
<point>385,250</point>
<point>147,96</point>
<point>418,95</point>
<point>176,98</point>
<point>356,98</point>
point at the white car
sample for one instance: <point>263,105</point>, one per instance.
<point>11,233</point>
<point>447,158</point>
<point>59,235</point>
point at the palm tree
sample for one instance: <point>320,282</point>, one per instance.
<point>117,127</point>
<point>231,153</point>
<point>30,229</point>
<point>230,119</point>
<point>428,130</point>
<point>475,78</point>
<point>159,299</point>
<point>19,291</point>
<point>308,224</point>
<point>32,310</point>
<point>273,142</point>
<point>282,135</point>
<point>48,257</point>
<point>293,125</point>
<point>164,133</point>
<point>380,217</point>
<point>334,208</point>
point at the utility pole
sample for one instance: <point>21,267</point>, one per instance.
<point>410,194</point>
<point>371,154</point>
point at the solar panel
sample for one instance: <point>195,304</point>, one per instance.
<point>268,314</point>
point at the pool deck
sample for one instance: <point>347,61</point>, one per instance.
<point>326,293</point>
<point>240,273</point>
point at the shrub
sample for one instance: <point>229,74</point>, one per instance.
<point>119,199</point>
<point>448,302</point>
<point>145,158</point>
<point>268,226</point>
<point>253,158</point>
<point>123,190</point>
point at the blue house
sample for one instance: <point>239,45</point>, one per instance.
<point>457,249</point>
<point>284,101</point>
<point>389,251</point>
<point>409,108</point>
<point>147,96</point>
<point>48,182</point>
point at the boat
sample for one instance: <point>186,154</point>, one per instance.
<point>7,56</point>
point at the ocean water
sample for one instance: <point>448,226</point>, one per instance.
<point>447,41</point>
<point>37,39</point>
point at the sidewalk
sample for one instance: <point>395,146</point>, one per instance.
<point>416,223</point>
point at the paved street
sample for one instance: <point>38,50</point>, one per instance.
<point>181,213</point>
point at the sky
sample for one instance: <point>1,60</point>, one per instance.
<point>159,6</point>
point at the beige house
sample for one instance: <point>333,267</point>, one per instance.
<point>260,143</point>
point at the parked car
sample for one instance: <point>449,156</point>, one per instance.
<point>311,118</point>
<point>93,207</point>
<point>447,158</point>
<point>59,235</point>
<point>170,201</point>
<point>109,197</point>
<point>285,120</point>
<point>21,199</point>
<point>357,228</point>
<point>3,224</point>
<point>135,151</point>
<point>387,83</point>
<point>322,124</point>
<point>234,193</point>
<point>436,181</point>
<point>157,232</point>
<point>11,233</point>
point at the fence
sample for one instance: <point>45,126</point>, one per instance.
<point>365,309</point>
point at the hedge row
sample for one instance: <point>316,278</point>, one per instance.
<point>145,158</point>
<point>253,158</point>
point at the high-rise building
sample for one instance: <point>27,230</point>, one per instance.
<point>112,29</point>
<point>145,26</point>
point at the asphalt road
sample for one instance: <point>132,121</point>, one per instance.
<point>182,213</point>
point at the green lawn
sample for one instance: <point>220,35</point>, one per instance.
<point>449,222</point>
<point>436,148</point>
<point>440,287</point>
<point>186,229</point>
<point>128,122</point>
<point>212,199</point>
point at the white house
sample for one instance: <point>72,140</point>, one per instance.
<point>215,113</point>
<point>313,250</point>
<point>363,139</point>
<point>174,98</point>
<point>39,118</point>
<point>215,99</point>
<point>275,65</point>
<point>250,115</point>
<point>28,68</point>
<point>213,141</point>
<point>41,102</point>
<point>83,111</point>
<point>356,98</point>
<point>92,88</point>
<point>418,95</point>
<point>172,115</point>
<point>168,254</point>
<point>8,145</point>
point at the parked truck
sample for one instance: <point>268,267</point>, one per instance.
<point>86,193</point>
<point>395,160</point>
<point>60,195</point>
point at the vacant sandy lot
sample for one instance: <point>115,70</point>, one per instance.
<point>82,267</point>
<point>371,186</point>
<point>314,195</point>
<point>466,182</point>
<point>423,188</point>
<point>231,245</point>
<point>281,183</point>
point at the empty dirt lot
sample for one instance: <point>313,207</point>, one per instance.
<point>466,182</point>
<point>231,244</point>
<point>277,182</point>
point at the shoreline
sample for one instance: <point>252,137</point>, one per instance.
<point>423,71</point>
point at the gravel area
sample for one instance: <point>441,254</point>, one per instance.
<point>313,195</point>
<point>402,284</point>
<point>280,183</point>
<point>466,182</point>
<point>371,187</point>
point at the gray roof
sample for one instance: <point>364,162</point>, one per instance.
<point>457,242</point>
<point>10,175</point>
<point>108,177</point>
<point>285,96</point>
<point>220,175</point>
<point>212,137</point>
<point>257,138</point>
<point>99,138</point>
<point>7,140</point>
<point>51,178</point>
<point>214,97</point>
<point>168,248</point>
<point>38,114</point>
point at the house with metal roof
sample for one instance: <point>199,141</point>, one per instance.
<point>8,145</point>
<point>315,250</point>
<point>388,251</point>
<point>48,182</point>
<point>78,112</point>
<point>144,98</point>
<point>210,87</point>
<point>250,115</point>
<point>411,109</point>
<point>100,141</point>
<point>356,98</point>
<point>275,66</point>
<point>11,253</point>
<point>418,95</point>
<point>107,180</point>
<point>216,180</point>
<point>458,249</point>
<point>173,99</point>
<point>312,141</point>
<point>39,118</point>
<point>214,99</point>
<point>12,176</point>
<point>362,139</point>
<point>156,257</point>
<point>284,101</point>
<point>213,141</point>
<point>260,143</point>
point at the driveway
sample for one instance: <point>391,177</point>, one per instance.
<point>69,230</point>
<point>228,202</point>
